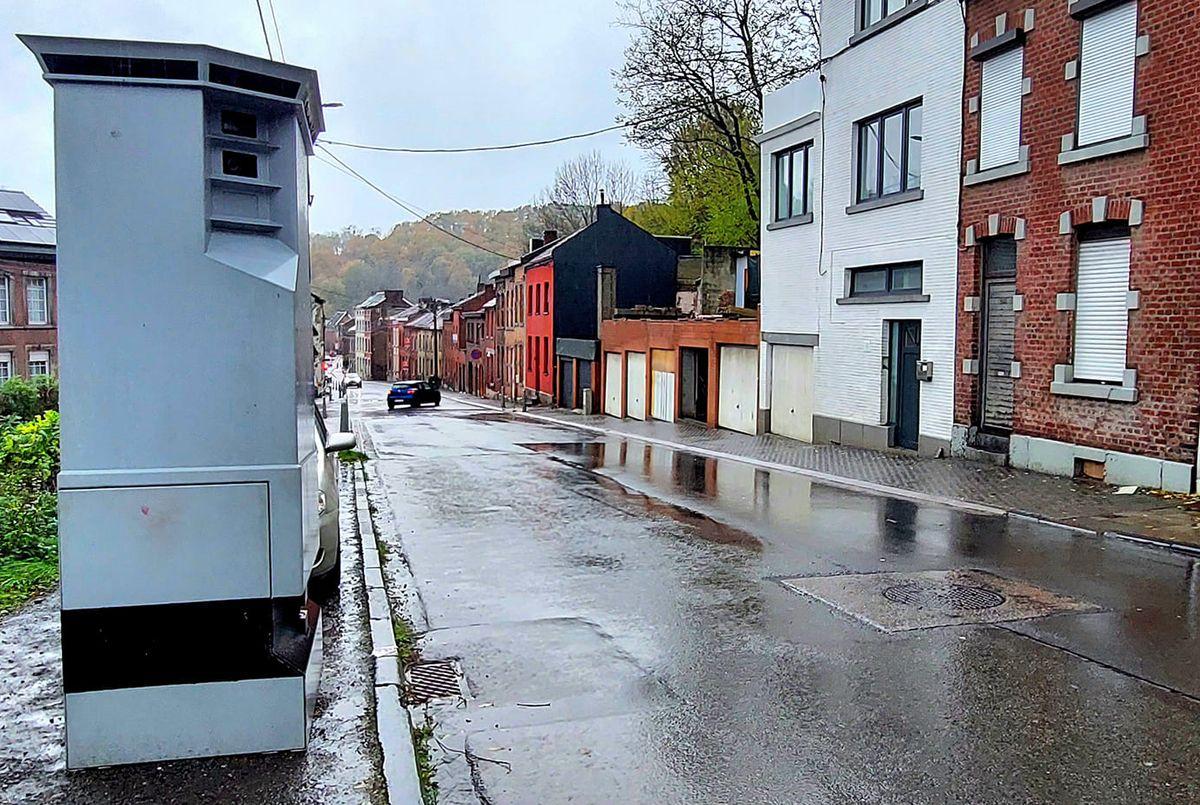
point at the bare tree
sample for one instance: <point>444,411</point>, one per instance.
<point>569,203</point>
<point>696,73</point>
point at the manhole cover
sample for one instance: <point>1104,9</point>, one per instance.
<point>432,680</point>
<point>942,596</point>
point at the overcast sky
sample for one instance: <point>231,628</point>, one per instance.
<point>410,72</point>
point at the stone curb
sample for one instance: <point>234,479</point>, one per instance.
<point>391,718</point>
<point>851,483</point>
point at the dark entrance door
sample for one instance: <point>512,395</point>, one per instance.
<point>584,370</point>
<point>905,388</point>
<point>996,342</point>
<point>694,381</point>
<point>566,385</point>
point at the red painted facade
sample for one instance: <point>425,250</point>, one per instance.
<point>1151,191</point>
<point>539,330</point>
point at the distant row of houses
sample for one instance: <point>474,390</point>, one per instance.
<point>974,242</point>
<point>28,289</point>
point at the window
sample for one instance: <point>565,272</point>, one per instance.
<point>545,355</point>
<point>791,183</point>
<point>1101,309</point>
<point>5,366</point>
<point>901,278</point>
<point>5,307</point>
<point>546,298</point>
<point>36,296</point>
<point>872,11</point>
<point>889,153</point>
<point>1106,73</point>
<point>1000,109</point>
<point>39,364</point>
<point>236,163</point>
<point>239,124</point>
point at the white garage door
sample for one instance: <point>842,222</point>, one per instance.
<point>662,384</point>
<point>738,397</point>
<point>612,383</point>
<point>792,392</point>
<point>635,385</point>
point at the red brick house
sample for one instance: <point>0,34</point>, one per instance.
<point>462,340</point>
<point>1079,301</point>
<point>371,332</point>
<point>28,289</point>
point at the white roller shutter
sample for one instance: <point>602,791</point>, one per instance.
<point>1101,312</point>
<point>1000,109</point>
<point>1106,74</point>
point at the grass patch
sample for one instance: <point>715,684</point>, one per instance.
<point>406,642</point>
<point>22,579</point>
<point>352,456</point>
<point>425,768</point>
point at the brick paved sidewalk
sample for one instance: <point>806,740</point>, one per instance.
<point>1079,504</point>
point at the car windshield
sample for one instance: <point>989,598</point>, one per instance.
<point>409,385</point>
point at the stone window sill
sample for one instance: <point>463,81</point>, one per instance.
<point>787,223</point>
<point>999,172</point>
<point>883,298</point>
<point>1134,142</point>
<point>886,201</point>
<point>887,22</point>
<point>1095,391</point>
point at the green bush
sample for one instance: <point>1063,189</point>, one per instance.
<point>29,462</point>
<point>24,399</point>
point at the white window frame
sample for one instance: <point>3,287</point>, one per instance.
<point>1001,92</point>
<point>31,284</point>
<point>6,366</point>
<point>39,356</point>
<point>5,299</point>
<point>1107,75</point>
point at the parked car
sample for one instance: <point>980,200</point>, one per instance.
<point>352,379</point>
<point>327,567</point>
<point>412,392</point>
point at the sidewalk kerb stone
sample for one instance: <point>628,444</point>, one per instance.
<point>392,724</point>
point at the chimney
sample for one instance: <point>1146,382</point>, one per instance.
<point>535,244</point>
<point>549,236</point>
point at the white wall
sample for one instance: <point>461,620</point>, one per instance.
<point>920,57</point>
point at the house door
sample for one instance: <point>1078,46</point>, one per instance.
<point>694,402</point>
<point>999,326</point>
<point>566,384</point>
<point>906,389</point>
<point>583,370</point>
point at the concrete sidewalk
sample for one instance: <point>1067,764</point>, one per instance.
<point>1172,520</point>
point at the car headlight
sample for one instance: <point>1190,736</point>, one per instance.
<point>322,504</point>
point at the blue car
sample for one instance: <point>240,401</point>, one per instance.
<point>412,393</point>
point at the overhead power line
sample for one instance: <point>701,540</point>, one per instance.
<point>411,209</point>
<point>478,148</point>
<point>275,22</point>
<point>263,22</point>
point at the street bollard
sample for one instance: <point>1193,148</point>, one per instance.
<point>344,420</point>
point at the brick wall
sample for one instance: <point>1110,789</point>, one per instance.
<point>19,338</point>
<point>1164,332</point>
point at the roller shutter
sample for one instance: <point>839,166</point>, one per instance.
<point>1000,109</point>
<point>1101,312</point>
<point>1106,75</point>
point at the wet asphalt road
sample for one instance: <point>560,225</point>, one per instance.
<point>342,765</point>
<point>619,615</point>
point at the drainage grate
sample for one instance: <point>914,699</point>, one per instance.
<point>432,680</point>
<point>943,597</point>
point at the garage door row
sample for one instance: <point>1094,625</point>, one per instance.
<point>670,384</point>
<point>716,387</point>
